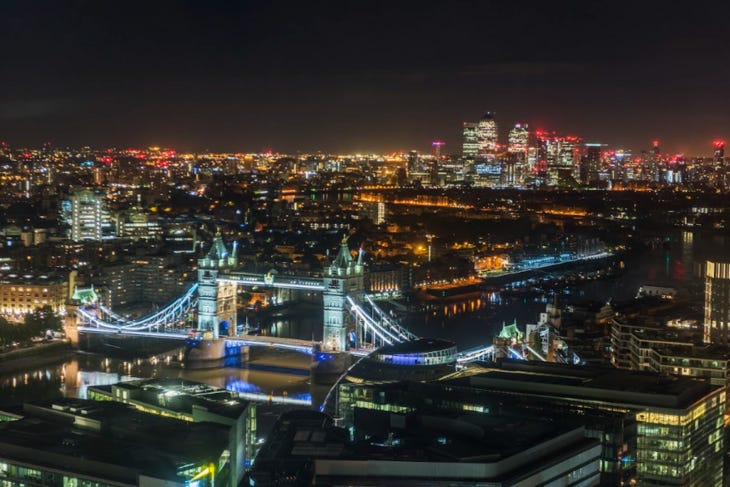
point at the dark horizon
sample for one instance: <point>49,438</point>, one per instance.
<point>371,78</point>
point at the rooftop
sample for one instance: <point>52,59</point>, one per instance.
<point>181,396</point>
<point>108,440</point>
<point>622,388</point>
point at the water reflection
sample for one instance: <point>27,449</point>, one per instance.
<point>72,377</point>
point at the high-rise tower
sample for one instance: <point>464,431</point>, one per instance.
<point>717,303</point>
<point>718,151</point>
<point>517,139</point>
<point>86,215</point>
<point>470,147</point>
<point>343,278</point>
<point>487,135</point>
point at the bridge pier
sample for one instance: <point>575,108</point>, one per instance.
<point>210,354</point>
<point>327,367</point>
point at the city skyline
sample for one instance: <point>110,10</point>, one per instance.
<point>336,78</point>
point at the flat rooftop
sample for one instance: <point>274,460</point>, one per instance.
<point>181,395</point>
<point>619,387</point>
<point>108,440</point>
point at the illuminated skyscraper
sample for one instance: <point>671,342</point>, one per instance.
<point>470,146</point>
<point>590,163</point>
<point>556,157</point>
<point>517,139</point>
<point>413,161</point>
<point>86,215</point>
<point>437,145</point>
<point>487,135</point>
<point>718,147</point>
<point>717,303</point>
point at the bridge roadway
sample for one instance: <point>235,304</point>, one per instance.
<point>294,344</point>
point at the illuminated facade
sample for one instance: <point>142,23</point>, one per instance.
<point>151,279</point>
<point>216,301</point>
<point>137,225</point>
<point>518,139</point>
<point>718,151</point>
<point>470,147</point>
<point>654,430</point>
<point>86,215</point>
<point>487,136</point>
<point>21,296</point>
<point>343,278</point>
<point>387,278</point>
<point>717,303</point>
<point>557,161</point>
<point>681,447</point>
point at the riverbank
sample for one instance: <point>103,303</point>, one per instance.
<point>35,356</point>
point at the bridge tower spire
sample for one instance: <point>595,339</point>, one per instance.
<point>344,277</point>
<point>216,301</point>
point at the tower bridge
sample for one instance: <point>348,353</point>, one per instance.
<point>352,324</point>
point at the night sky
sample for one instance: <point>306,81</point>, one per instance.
<point>360,75</point>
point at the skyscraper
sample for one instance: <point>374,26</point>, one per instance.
<point>590,163</point>
<point>718,153</point>
<point>717,303</point>
<point>556,157</point>
<point>517,139</point>
<point>487,135</point>
<point>86,215</point>
<point>470,146</point>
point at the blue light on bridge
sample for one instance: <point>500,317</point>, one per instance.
<point>304,396</point>
<point>242,386</point>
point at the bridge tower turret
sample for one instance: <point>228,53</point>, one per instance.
<point>343,278</point>
<point>216,301</point>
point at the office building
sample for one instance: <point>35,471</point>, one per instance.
<point>391,448</point>
<point>135,224</point>
<point>517,140</point>
<point>717,303</point>
<point>470,145</point>
<point>718,151</point>
<point>487,136</point>
<point>72,442</point>
<point>194,402</point>
<point>86,215</point>
<point>148,279</point>
<point>590,163</point>
<point>654,430</point>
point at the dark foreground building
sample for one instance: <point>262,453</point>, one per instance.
<point>654,430</point>
<point>192,401</point>
<point>77,443</point>
<point>305,448</point>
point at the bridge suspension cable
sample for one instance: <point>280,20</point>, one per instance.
<point>386,331</point>
<point>170,314</point>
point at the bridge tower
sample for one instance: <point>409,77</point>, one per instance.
<point>344,277</point>
<point>216,301</point>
